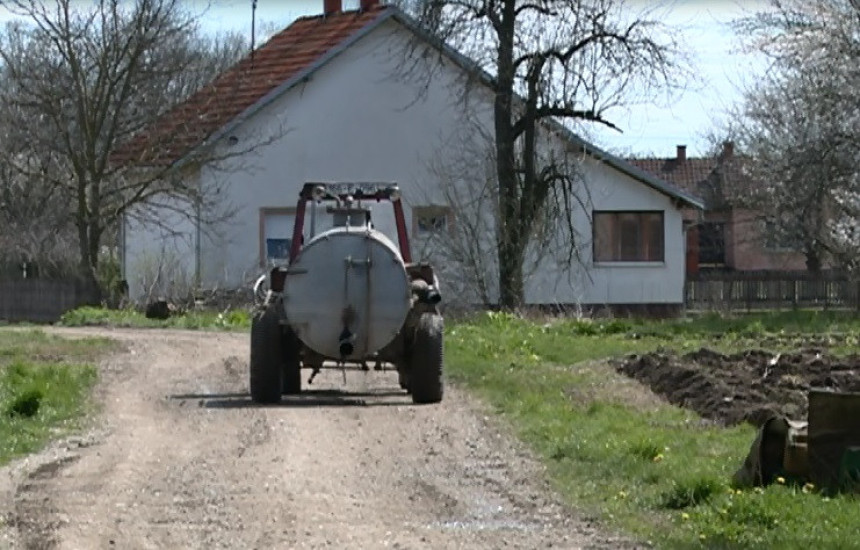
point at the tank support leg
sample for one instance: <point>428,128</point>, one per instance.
<point>314,374</point>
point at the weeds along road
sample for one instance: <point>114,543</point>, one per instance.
<point>178,457</point>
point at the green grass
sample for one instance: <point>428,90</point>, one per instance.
<point>213,320</point>
<point>646,467</point>
<point>45,382</point>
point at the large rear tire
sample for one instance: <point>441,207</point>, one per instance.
<point>427,358</point>
<point>267,357</point>
<point>292,378</point>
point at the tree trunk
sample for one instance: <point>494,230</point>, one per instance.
<point>509,240</point>
<point>88,264</point>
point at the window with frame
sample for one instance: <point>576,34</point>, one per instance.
<point>628,236</point>
<point>276,234</point>
<point>427,220</point>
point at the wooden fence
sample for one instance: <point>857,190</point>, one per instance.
<point>41,300</point>
<point>771,290</point>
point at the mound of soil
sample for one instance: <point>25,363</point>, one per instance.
<point>744,387</point>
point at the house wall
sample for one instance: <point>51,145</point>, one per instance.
<point>749,252</point>
<point>160,249</point>
<point>745,242</point>
<point>615,282</point>
<point>352,121</point>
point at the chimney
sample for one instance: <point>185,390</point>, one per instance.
<point>681,153</point>
<point>332,6</point>
<point>728,149</point>
<point>367,4</point>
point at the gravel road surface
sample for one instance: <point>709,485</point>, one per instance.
<point>178,457</point>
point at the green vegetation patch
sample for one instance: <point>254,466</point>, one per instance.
<point>654,470</point>
<point>45,384</point>
<point>131,318</point>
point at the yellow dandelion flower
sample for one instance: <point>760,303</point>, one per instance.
<point>685,516</point>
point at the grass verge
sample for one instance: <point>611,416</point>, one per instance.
<point>651,469</point>
<point>45,383</point>
<point>130,318</point>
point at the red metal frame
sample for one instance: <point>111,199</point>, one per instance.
<point>296,245</point>
<point>383,193</point>
<point>402,236</point>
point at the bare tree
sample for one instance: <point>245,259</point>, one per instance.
<point>461,231</point>
<point>77,80</point>
<point>547,62</point>
<point>800,125</point>
<point>459,234</point>
<point>37,236</point>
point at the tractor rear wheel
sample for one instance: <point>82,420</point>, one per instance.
<point>292,377</point>
<point>267,356</point>
<point>427,358</point>
<point>403,378</point>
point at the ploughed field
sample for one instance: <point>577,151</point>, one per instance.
<point>746,386</point>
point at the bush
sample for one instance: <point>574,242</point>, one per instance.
<point>690,492</point>
<point>26,403</point>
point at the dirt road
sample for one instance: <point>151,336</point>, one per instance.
<point>179,458</point>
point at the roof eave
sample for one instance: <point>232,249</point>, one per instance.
<point>466,64</point>
<point>300,77</point>
<point>637,173</point>
<point>620,164</point>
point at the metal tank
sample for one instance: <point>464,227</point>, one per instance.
<point>347,294</point>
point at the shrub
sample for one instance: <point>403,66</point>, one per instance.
<point>690,492</point>
<point>26,403</point>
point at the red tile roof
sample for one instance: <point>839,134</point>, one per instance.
<point>687,175</point>
<point>284,56</point>
<point>720,180</point>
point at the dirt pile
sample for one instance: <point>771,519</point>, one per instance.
<point>743,387</point>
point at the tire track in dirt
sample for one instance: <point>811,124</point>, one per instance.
<point>180,458</point>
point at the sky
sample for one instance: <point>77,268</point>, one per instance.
<point>652,129</point>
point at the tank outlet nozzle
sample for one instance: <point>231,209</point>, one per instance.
<point>345,345</point>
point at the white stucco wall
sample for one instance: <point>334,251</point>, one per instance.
<point>159,254</point>
<point>616,282</point>
<point>353,122</point>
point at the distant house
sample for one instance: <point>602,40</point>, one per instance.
<point>726,236</point>
<point>329,79</point>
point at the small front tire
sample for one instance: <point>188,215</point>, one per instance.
<point>267,357</point>
<point>292,378</point>
<point>427,358</point>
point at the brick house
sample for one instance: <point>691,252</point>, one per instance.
<point>725,236</point>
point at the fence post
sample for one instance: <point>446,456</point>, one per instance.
<point>794,294</point>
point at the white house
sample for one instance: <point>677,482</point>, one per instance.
<point>322,101</point>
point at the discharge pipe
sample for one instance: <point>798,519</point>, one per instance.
<point>345,345</point>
